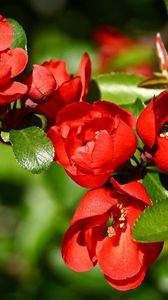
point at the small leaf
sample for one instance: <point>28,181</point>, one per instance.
<point>154,187</point>
<point>152,224</point>
<point>121,88</point>
<point>20,39</point>
<point>33,150</point>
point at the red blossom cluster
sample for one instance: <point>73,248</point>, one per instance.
<point>93,142</point>
<point>110,43</point>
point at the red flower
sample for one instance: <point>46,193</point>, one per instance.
<point>111,43</point>
<point>12,63</point>
<point>53,87</point>
<point>152,129</point>
<point>89,140</point>
<point>89,240</point>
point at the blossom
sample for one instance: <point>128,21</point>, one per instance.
<point>12,63</point>
<point>89,140</point>
<point>152,129</point>
<point>52,87</point>
<point>90,238</point>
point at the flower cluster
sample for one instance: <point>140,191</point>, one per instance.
<point>94,142</point>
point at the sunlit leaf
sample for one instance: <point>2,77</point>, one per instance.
<point>20,39</point>
<point>32,148</point>
<point>120,88</point>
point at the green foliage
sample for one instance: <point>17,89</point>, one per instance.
<point>122,89</point>
<point>20,39</point>
<point>33,150</point>
<point>152,225</point>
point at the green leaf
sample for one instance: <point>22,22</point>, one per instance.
<point>154,187</point>
<point>135,107</point>
<point>120,88</point>
<point>152,224</point>
<point>20,39</point>
<point>33,150</point>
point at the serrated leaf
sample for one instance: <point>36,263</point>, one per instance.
<point>154,187</point>
<point>33,150</point>
<point>120,88</point>
<point>152,224</point>
<point>20,39</point>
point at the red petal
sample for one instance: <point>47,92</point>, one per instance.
<point>42,80</point>
<point>85,74</point>
<point>12,92</point>
<point>6,34</point>
<point>5,74</point>
<point>74,250</point>
<point>58,69</point>
<point>161,156</point>
<point>89,180</point>
<point>16,58</point>
<point>123,148</point>
<point>160,110</point>
<point>113,110</point>
<point>146,127</point>
<point>67,93</point>
<point>119,257</point>
<point>73,113</point>
<point>59,146</point>
<point>134,189</point>
<point>94,203</point>
<point>129,283</point>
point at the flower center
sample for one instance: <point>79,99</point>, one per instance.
<point>164,134</point>
<point>118,218</point>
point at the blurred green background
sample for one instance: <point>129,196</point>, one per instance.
<point>35,210</point>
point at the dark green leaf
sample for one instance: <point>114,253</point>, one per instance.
<point>20,39</point>
<point>32,148</point>
<point>121,88</point>
<point>152,224</point>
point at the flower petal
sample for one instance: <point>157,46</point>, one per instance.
<point>123,148</point>
<point>58,69</point>
<point>129,283</point>
<point>12,91</point>
<point>94,203</point>
<point>41,80</point>
<point>161,156</point>
<point>146,126</point>
<point>119,257</point>
<point>88,180</point>
<point>67,93</point>
<point>16,58</point>
<point>74,250</point>
<point>113,110</point>
<point>85,74</point>
<point>6,34</point>
<point>134,189</point>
